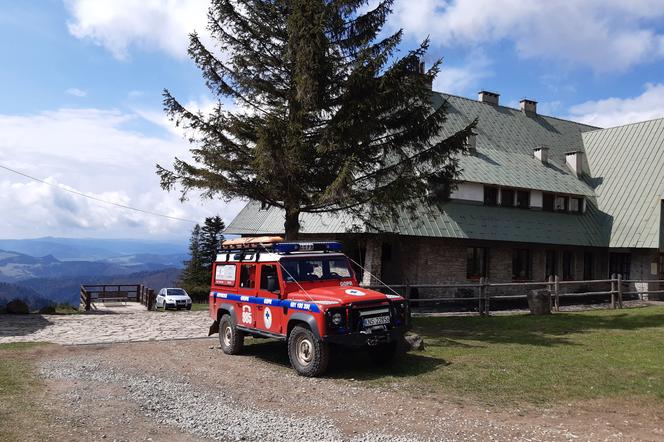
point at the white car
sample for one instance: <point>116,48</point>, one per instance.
<point>175,298</point>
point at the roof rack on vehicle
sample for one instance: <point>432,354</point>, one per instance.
<point>276,244</point>
<point>250,242</point>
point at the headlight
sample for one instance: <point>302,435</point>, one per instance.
<point>337,318</point>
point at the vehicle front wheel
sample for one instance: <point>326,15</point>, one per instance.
<point>308,355</point>
<point>230,338</point>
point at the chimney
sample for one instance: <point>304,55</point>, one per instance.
<point>542,154</point>
<point>471,143</point>
<point>421,70</point>
<point>488,97</point>
<point>574,161</point>
<point>528,106</point>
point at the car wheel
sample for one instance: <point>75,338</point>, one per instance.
<point>308,355</point>
<point>230,338</point>
<point>189,307</point>
<point>383,353</point>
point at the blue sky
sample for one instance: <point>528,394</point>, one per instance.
<point>81,84</point>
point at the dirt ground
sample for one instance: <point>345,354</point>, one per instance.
<point>82,409</point>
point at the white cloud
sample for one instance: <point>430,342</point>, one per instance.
<point>133,95</point>
<point>611,112</point>
<point>76,92</point>
<point>459,79</point>
<point>605,35</point>
<point>117,25</point>
<point>97,152</point>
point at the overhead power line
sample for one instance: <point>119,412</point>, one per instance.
<point>122,206</point>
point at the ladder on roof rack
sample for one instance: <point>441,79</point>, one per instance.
<point>250,242</point>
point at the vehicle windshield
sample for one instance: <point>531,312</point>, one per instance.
<point>315,269</point>
<point>176,292</point>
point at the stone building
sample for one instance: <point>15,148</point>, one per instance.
<point>538,196</point>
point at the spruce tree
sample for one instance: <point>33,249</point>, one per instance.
<point>210,239</point>
<point>329,116</point>
<point>194,274</point>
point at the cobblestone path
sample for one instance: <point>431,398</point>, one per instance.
<point>120,324</point>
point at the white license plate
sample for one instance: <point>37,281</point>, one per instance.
<point>378,320</point>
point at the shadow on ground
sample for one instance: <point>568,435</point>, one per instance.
<point>346,363</point>
<point>21,325</point>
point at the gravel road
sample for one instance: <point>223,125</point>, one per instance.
<point>219,417</point>
<point>190,390</point>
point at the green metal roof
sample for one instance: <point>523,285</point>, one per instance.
<point>506,138</point>
<point>627,166</point>
<point>509,169</point>
<point>452,220</point>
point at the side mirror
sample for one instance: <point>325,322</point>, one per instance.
<point>272,284</point>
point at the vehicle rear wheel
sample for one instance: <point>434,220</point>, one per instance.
<point>383,353</point>
<point>230,338</point>
<point>308,355</point>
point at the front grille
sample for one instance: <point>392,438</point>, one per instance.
<point>360,311</point>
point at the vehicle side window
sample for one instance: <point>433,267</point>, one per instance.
<point>248,276</point>
<point>269,279</point>
<point>224,274</point>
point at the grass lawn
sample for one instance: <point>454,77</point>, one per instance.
<point>199,307</point>
<point>196,307</point>
<point>18,384</point>
<point>565,356</point>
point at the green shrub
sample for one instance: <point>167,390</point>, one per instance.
<point>47,310</point>
<point>18,307</point>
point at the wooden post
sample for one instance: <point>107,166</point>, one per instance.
<point>550,289</point>
<point>480,297</point>
<point>556,288</point>
<point>487,296</point>
<point>613,291</point>
<point>151,298</point>
<point>619,284</point>
<point>85,295</point>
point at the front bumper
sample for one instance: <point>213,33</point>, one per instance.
<point>371,337</point>
<point>176,305</point>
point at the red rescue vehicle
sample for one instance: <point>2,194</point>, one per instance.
<point>305,293</point>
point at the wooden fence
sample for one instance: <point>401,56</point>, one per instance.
<point>484,292</point>
<point>91,293</point>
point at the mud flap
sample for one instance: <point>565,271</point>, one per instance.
<point>214,328</point>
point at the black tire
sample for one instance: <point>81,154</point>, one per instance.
<point>189,307</point>
<point>230,338</point>
<point>308,355</point>
<point>383,354</point>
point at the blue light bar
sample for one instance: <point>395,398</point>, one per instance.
<point>289,247</point>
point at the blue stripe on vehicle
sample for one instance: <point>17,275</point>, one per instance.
<point>293,305</point>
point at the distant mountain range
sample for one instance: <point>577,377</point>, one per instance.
<point>90,249</point>
<point>51,270</point>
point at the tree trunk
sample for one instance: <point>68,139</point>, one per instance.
<point>292,224</point>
